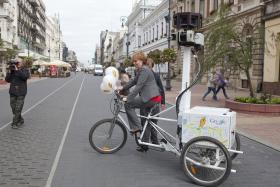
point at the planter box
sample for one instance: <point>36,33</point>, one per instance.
<point>253,108</point>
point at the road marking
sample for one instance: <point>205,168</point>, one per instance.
<point>58,154</point>
<point>39,102</point>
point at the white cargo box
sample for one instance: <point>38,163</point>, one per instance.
<point>218,123</point>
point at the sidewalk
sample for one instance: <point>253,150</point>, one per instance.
<point>32,79</point>
<point>264,129</point>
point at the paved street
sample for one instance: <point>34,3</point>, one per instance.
<point>52,147</point>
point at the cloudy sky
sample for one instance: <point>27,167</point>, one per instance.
<point>82,21</point>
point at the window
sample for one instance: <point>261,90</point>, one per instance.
<point>193,6</point>
<point>244,83</point>
<point>181,9</point>
<point>201,7</point>
<point>161,28</point>
<point>216,4</point>
<point>153,33</point>
<point>157,31</point>
<point>139,41</point>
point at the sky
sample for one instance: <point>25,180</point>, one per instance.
<point>83,20</point>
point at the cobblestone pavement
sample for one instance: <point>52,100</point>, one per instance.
<point>262,128</point>
<point>27,154</point>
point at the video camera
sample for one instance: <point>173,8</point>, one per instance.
<point>12,65</point>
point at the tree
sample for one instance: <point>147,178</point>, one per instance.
<point>169,55</point>
<point>10,54</point>
<point>232,38</point>
<point>28,61</point>
<point>128,62</point>
<point>155,55</point>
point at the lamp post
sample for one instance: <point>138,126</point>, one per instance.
<point>167,18</point>
<point>28,46</point>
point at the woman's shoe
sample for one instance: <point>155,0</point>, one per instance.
<point>142,148</point>
<point>135,131</point>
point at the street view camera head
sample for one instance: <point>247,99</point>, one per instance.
<point>186,23</point>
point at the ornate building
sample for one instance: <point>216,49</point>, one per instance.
<point>272,47</point>
<point>54,44</point>
<point>32,27</point>
<point>8,30</point>
<point>250,13</point>
<point>140,11</point>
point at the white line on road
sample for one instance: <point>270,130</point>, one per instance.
<point>39,102</point>
<point>58,154</point>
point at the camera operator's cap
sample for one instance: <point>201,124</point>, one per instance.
<point>14,61</point>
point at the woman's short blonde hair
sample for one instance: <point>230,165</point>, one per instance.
<point>139,56</point>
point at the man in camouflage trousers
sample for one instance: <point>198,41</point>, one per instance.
<point>17,77</point>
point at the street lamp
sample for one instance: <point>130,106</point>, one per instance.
<point>167,19</point>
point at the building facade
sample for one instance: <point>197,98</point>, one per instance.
<point>120,46</point>
<point>54,44</point>
<point>141,10</point>
<point>72,58</point>
<point>248,13</point>
<point>271,78</point>
<point>31,28</point>
<point>107,46</point>
<point>8,30</point>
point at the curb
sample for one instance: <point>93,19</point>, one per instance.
<point>252,137</point>
<point>259,140</point>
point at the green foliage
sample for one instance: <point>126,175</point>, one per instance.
<point>261,100</point>
<point>128,62</point>
<point>156,56</point>
<point>10,54</point>
<point>28,61</point>
<point>169,55</point>
<point>230,38</point>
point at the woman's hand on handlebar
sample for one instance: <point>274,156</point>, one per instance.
<point>121,97</point>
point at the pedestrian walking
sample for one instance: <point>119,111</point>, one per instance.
<point>145,86</point>
<point>221,82</point>
<point>144,111</point>
<point>17,77</point>
<point>211,85</point>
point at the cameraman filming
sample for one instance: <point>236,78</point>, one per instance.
<point>17,77</point>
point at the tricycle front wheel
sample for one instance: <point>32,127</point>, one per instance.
<point>107,136</point>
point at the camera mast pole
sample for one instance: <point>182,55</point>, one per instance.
<point>185,103</point>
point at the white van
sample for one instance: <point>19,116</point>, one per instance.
<point>98,70</point>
